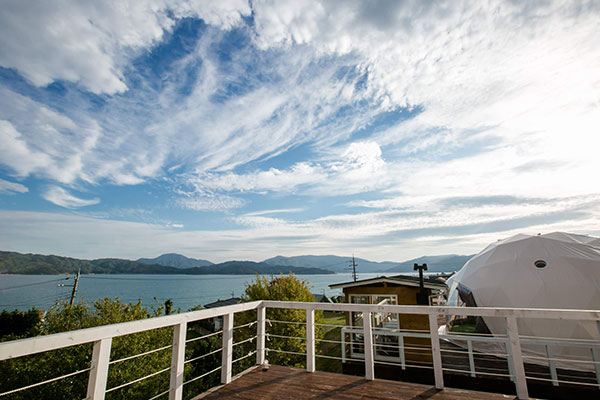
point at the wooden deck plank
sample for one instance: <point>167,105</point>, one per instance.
<point>290,383</point>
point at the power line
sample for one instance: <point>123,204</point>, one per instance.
<point>353,266</point>
<point>37,301</point>
<point>186,278</point>
<point>36,283</point>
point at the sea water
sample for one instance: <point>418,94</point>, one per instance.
<point>43,291</point>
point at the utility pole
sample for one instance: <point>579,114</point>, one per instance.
<point>422,295</point>
<point>354,276</point>
<point>75,287</point>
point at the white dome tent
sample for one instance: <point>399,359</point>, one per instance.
<point>556,271</point>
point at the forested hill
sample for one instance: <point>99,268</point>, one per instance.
<point>29,264</point>
<point>175,260</point>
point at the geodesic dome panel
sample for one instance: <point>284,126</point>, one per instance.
<point>557,271</point>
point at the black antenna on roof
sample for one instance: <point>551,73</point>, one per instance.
<point>354,265</point>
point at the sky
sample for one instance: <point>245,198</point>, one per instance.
<point>244,130</point>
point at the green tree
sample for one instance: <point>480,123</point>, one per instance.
<point>286,329</point>
<point>24,371</point>
<point>16,324</point>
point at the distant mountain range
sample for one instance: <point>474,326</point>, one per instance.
<point>445,263</point>
<point>17,263</point>
<point>29,264</point>
<point>332,263</point>
<point>176,260</point>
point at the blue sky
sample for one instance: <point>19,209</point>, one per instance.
<point>244,130</point>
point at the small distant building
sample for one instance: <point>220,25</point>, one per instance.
<point>216,324</point>
<point>222,303</point>
<point>391,340</point>
<point>321,298</point>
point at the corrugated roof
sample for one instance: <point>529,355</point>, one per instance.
<point>221,303</point>
<point>402,280</point>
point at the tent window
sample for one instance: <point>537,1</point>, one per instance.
<point>540,263</point>
<point>466,295</point>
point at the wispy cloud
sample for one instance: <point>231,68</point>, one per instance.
<point>7,187</point>
<point>376,236</point>
<point>210,202</point>
<point>44,49</point>
<point>279,211</point>
<point>61,197</point>
<point>381,120</point>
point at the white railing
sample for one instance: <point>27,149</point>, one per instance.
<point>102,337</point>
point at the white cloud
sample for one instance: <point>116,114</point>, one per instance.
<point>209,202</point>
<point>7,187</point>
<point>16,153</point>
<point>61,197</point>
<point>379,235</point>
<point>40,141</point>
<point>278,211</point>
<point>356,168</point>
<point>522,77</point>
<point>505,97</point>
<point>90,42</point>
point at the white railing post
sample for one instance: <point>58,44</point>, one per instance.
<point>177,361</point>
<point>343,333</point>
<point>310,340</point>
<point>551,366</point>
<point>227,352</point>
<point>436,351</point>
<point>595,360</point>
<point>368,346</point>
<point>401,348</point>
<point>99,369</point>
<point>516,357</point>
<point>471,358</point>
<point>261,313</point>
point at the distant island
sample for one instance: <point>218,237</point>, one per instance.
<point>31,264</point>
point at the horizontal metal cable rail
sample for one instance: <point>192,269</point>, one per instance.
<point>369,343</point>
<point>44,382</point>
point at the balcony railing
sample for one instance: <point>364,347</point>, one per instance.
<point>102,337</point>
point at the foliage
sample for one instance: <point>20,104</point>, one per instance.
<point>24,371</point>
<point>285,328</point>
<point>204,362</point>
<point>285,337</point>
<point>15,324</point>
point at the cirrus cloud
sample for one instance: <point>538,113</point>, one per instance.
<point>61,197</point>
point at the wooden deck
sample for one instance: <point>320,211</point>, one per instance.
<point>291,383</point>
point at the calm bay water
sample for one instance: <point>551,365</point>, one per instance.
<point>42,291</point>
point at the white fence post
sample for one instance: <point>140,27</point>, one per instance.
<point>177,361</point>
<point>595,359</point>
<point>261,313</point>
<point>368,344</point>
<point>551,365</point>
<point>343,334</point>
<point>436,352</point>
<point>310,340</point>
<point>99,369</point>
<point>227,352</point>
<point>516,357</point>
<point>471,358</point>
<point>401,348</point>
